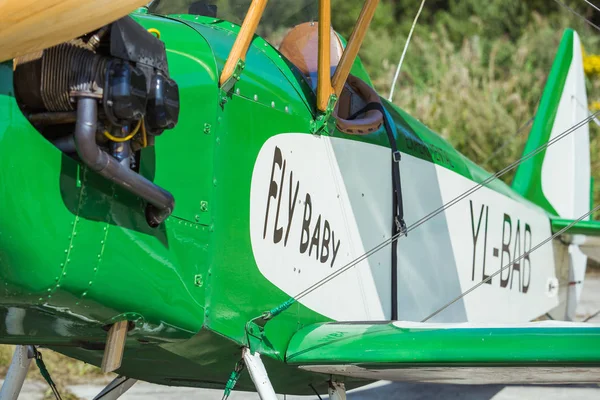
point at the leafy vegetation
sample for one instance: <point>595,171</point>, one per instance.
<point>475,70</point>
<point>64,371</point>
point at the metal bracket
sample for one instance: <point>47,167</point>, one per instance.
<point>232,80</point>
<point>255,328</point>
<point>401,226</point>
<point>255,333</point>
<point>321,124</point>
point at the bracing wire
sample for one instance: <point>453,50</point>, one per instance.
<point>444,207</point>
<point>534,248</point>
<point>412,28</point>
<point>584,107</point>
<point>587,21</point>
<point>596,7</point>
<point>592,316</point>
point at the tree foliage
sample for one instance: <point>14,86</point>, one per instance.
<point>475,70</point>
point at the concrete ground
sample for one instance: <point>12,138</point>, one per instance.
<point>589,305</point>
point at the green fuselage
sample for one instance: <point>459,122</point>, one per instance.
<point>76,253</point>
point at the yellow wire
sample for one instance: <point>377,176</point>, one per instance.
<point>126,138</point>
<point>155,32</point>
<point>144,136</point>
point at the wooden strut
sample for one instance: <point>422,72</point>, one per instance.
<point>243,39</point>
<point>324,89</point>
<point>354,43</point>
<point>115,345</point>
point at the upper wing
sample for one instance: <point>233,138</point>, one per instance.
<point>586,234</point>
<point>31,25</point>
<point>543,352</point>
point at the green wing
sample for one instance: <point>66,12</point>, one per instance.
<point>586,234</point>
<point>543,352</point>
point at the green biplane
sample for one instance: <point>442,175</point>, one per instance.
<point>183,198</point>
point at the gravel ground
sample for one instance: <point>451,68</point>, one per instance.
<point>589,305</point>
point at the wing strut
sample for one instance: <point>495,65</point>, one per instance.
<point>13,383</point>
<point>259,375</point>
<point>337,390</point>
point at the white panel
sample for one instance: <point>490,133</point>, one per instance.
<point>566,166</point>
<point>508,229</point>
<point>349,186</point>
<point>320,195</point>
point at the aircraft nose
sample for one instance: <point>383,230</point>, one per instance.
<point>35,223</point>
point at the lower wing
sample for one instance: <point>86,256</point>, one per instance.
<point>539,352</point>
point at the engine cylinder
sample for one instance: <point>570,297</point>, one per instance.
<point>46,82</point>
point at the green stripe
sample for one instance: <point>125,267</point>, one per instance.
<point>590,228</point>
<point>527,179</point>
<point>372,343</point>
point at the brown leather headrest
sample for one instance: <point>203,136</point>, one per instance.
<point>301,47</point>
<point>370,121</point>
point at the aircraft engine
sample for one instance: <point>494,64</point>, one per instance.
<point>115,80</point>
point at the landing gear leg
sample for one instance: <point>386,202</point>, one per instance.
<point>16,373</point>
<point>116,388</point>
<point>259,376</point>
<point>337,390</point>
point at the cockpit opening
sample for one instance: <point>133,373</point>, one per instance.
<point>293,27</point>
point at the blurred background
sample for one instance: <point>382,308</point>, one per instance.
<point>475,70</point>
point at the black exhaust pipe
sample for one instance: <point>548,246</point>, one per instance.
<point>160,202</point>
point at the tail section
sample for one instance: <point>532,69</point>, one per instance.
<point>558,178</point>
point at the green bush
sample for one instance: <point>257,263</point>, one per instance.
<point>479,90</point>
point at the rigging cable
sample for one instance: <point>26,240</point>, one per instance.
<point>584,107</point>
<point>592,316</point>
<point>426,218</point>
<point>412,28</point>
<point>534,248</point>
<point>315,390</point>
<point>596,7</point>
<point>44,372</point>
<point>579,15</point>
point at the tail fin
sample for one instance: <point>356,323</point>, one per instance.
<point>558,178</point>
